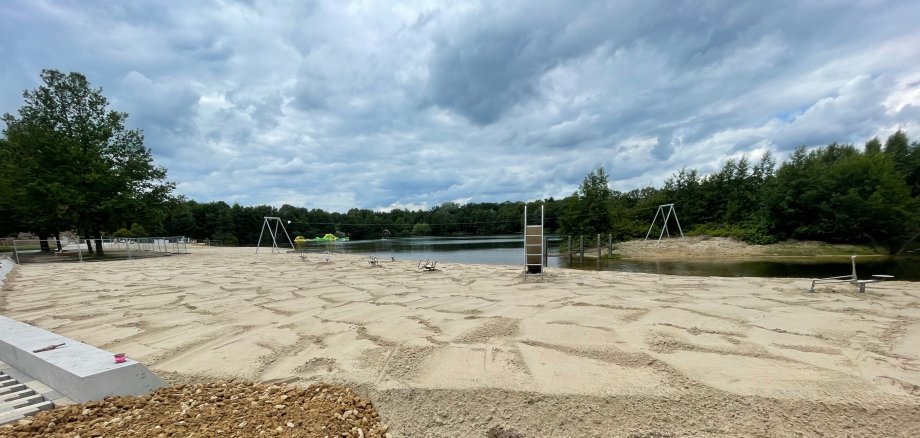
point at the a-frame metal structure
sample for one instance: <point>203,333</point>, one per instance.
<point>272,224</point>
<point>665,210</point>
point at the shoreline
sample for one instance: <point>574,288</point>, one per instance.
<point>456,351</point>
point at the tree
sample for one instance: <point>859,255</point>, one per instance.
<point>421,229</point>
<point>837,194</point>
<point>589,211</point>
<point>90,171</point>
<point>873,146</point>
<point>897,145</point>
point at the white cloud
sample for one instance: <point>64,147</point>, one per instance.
<point>379,105</point>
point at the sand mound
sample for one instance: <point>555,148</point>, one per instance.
<point>705,247</point>
<point>214,409</point>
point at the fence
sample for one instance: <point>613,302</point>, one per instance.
<point>571,246</point>
<point>82,250</point>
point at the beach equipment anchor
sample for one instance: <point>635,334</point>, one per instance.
<point>427,265</point>
<point>852,279</point>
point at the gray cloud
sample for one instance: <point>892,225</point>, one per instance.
<point>337,105</point>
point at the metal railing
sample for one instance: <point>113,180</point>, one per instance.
<point>80,249</point>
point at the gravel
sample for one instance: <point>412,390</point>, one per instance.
<point>214,409</point>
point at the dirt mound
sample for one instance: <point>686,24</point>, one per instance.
<point>703,247</point>
<point>725,247</point>
<point>214,409</point>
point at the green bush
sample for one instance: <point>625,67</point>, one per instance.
<point>137,230</point>
<point>747,232</point>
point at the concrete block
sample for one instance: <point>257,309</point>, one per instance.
<point>12,389</point>
<point>20,402</point>
<point>25,411</point>
<point>79,371</point>
<point>15,374</point>
<point>16,395</point>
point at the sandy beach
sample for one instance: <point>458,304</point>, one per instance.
<point>456,351</point>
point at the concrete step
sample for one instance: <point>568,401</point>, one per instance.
<point>16,395</point>
<point>18,400</point>
<point>12,389</point>
<point>21,402</point>
<point>25,411</point>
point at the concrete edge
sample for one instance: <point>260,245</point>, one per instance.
<point>78,371</point>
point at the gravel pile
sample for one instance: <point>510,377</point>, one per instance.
<point>214,409</point>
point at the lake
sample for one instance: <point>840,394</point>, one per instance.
<point>507,250</point>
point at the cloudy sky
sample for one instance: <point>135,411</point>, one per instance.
<point>378,105</point>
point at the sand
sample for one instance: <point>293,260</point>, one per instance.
<point>466,348</point>
<point>728,249</point>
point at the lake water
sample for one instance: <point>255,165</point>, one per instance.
<point>507,250</point>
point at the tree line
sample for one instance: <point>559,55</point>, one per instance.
<point>67,162</point>
<point>837,193</point>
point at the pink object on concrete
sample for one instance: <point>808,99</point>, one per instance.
<point>119,358</point>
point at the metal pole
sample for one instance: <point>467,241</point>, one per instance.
<point>610,245</point>
<point>259,243</point>
<point>678,222</point>
<point>274,239</point>
<point>598,246</point>
<point>568,248</point>
<point>545,253</point>
<point>665,226</point>
<point>524,275</point>
<point>581,247</point>
<point>653,223</point>
<point>15,251</point>
<point>80,249</point>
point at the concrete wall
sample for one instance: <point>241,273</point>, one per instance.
<point>77,370</point>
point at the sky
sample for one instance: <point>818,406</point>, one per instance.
<point>364,104</point>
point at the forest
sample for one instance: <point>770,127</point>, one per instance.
<point>836,193</point>
<point>67,163</point>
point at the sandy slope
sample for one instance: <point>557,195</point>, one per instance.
<point>456,351</point>
<point>724,248</point>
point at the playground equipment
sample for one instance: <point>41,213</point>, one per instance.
<point>272,224</point>
<point>852,279</point>
<point>665,215</point>
<point>427,265</point>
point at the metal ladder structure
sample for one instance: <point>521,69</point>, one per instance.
<point>533,246</point>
